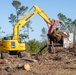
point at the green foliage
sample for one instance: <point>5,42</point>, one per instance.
<point>69,24</point>
<point>16,4</point>
<point>14,18</point>
<point>42,44</point>
<point>67,21</point>
<point>62,17</point>
<point>74,22</point>
<point>23,36</point>
<point>20,10</point>
<point>33,46</point>
<point>44,34</point>
<point>74,26</point>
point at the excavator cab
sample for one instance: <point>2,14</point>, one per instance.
<point>13,47</point>
<point>7,38</point>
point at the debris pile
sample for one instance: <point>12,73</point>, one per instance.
<point>42,64</point>
<point>57,35</point>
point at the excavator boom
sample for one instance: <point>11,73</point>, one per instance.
<point>14,45</point>
<point>27,16</point>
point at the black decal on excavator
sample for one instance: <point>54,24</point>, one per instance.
<point>30,16</point>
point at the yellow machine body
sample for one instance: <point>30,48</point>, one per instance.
<point>11,45</point>
<point>14,44</point>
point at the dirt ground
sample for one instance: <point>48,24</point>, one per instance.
<point>63,62</point>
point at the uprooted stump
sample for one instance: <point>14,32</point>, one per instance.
<point>57,36</point>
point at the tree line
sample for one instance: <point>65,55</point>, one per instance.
<point>34,45</point>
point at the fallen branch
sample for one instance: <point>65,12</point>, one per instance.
<point>30,60</point>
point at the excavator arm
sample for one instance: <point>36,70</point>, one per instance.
<point>26,17</point>
<point>13,45</point>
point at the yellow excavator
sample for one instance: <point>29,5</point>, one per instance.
<point>13,45</point>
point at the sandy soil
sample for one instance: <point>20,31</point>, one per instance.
<point>60,63</point>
